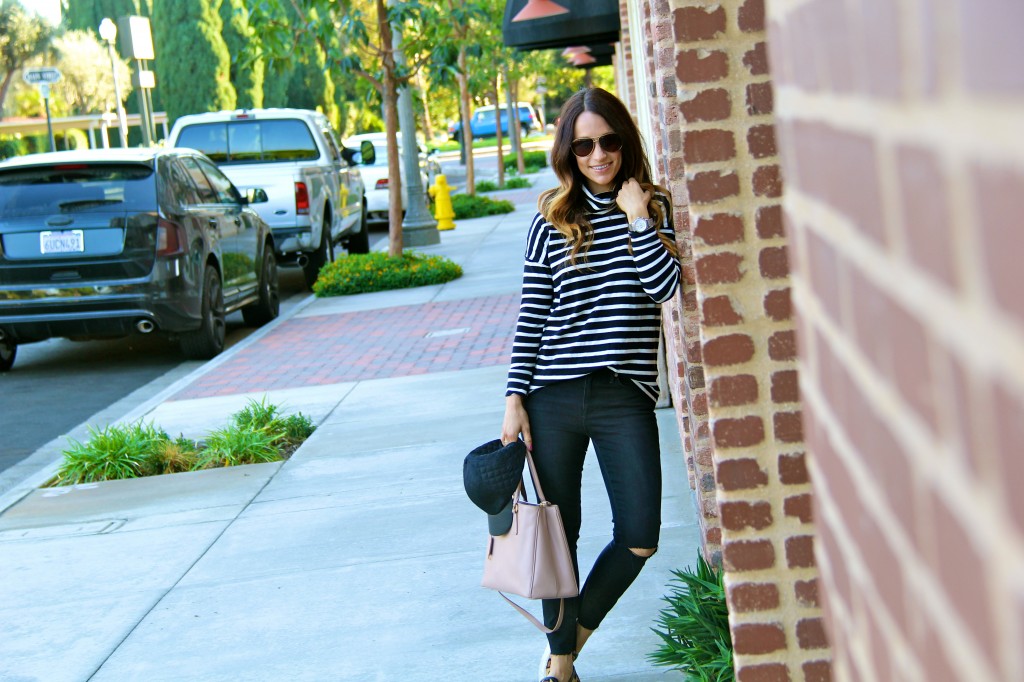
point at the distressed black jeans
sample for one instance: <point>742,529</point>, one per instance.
<point>618,417</point>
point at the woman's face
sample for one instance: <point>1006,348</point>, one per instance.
<point>601,167</point>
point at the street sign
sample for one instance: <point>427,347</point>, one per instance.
<point>41,75</point>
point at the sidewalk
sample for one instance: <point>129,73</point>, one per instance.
<point>357,559</point>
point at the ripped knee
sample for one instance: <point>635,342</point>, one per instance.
<point>642,552</point>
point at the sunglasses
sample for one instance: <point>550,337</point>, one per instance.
<point>584,146</point>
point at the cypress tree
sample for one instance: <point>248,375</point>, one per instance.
<point>192,64</point>
<point>86,15</point>
<point>248,80</point>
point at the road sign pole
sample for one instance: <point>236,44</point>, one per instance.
<point>44,89</point>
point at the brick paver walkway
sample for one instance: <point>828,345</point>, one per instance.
<point>371,344</point>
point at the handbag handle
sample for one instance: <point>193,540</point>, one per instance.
<point>536,480</point>
<point>533,619</point>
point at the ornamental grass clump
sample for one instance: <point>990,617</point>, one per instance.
<point>694,627</point>
<point>366,272</point>
<point>467,206</point>
<point>116,451</point>
<point>532,160</point>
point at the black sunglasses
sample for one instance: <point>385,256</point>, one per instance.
<point>584,146</point>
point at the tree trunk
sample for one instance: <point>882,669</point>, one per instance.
<point>4,87</point>
<point>497,132</point>
<point>467,128</point>
<point>390,96</point>
<point>520,161</point>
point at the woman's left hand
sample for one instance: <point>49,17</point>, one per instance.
<point>633,200</point>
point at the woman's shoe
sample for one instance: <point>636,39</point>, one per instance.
<point>572,678</point>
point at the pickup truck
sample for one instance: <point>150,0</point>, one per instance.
<point>482,122</point>
<point>314,189</point>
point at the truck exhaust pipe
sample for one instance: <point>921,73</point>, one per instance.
<point>302,260</point>
<point>145,326</point>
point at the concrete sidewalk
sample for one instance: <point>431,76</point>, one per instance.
<point>360,557</point>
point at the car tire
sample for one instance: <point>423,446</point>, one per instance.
<point>360,241</point>
<point>269,305</point>
<point>8,351</point>
<point>526,130</point>
<point>319,258</point>
<point>207,341</point>
<point>457,136</point>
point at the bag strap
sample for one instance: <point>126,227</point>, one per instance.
<point>535,477</point>
<point>530,617</point>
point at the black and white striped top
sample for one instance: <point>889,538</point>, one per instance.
<point>602,312</point>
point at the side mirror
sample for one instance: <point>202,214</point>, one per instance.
<point>351,156</point>
<point>256,195</point>
<point>367,153</point>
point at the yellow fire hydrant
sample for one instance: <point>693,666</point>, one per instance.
<point>441,191</point>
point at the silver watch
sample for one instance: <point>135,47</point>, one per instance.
<point>641,225</point>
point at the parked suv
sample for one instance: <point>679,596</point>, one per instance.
<point>104,243</point>
<point>482,122</point>
<point>315,192</point>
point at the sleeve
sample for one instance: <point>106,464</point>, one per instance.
<point>659,271</point>
<point>534,309</point>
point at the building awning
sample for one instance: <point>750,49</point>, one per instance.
<point>588,22</point>
<point>105,124</point>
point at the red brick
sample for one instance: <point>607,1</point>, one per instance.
<point>727,391</point>
<point>718,229</point>
<point>711,186</point>
<point>693,24</point>
<point>773,261</point>
<point>782,345</point>
<point>719,268</point>
<point>740,474</point>
<point>881,50</point>
<point>826,269</point>
<point>764,672</point>
<point>738,433</point>
<point>810,634</point>
<point>799,506</point>
<point>758,638</point>
<point>806,593</point>
<point>999,201</point>
<point>756,60</point>
<point>769,222</point>
<point>819,671</point>
<point>702,66</point>
<point>793,469</point>
<point>767,181</point>
<point>788,427</point>
<point>717,311</point>
<point>710,105</point>
<point>748,555</point>
<point>731,349</point>
<point>991,46</point>
<point>923,193</point>
<point>761,141</point>
<point>747,597</point>
<point>1010,433</point>
<point>751,16</point>
<point>777,305</point>
<point>705,146</point>
<point>743,515</point>
<point>785,386</point>
<point>760,99</point>
<point>800,551</point>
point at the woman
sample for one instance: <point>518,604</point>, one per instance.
<point>600,258</point>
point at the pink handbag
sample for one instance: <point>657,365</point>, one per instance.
<point>532,560</point>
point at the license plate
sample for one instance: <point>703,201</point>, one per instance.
<point>61,241</point>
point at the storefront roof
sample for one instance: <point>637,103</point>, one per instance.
<point>588,22</point>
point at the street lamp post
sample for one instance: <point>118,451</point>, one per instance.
<point>108,32</point>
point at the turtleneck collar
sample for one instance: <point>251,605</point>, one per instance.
<point>600,203</point>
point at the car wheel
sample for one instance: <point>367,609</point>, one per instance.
<point>208,340</point>
<point>360,241</point>
<point>319,258</point>
<point>8,351</point>
<point>526,130</point>
<point>458,136</point>
<point>269,305</point>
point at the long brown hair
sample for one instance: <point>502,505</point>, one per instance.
<point>565,206</point>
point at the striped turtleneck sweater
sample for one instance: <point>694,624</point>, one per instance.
<point>602,312</point>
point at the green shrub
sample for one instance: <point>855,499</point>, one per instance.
<point>257,433</point>
<point>533,160</point>
<point>694,628</point>
<point>518,183</point>
<point>466,206</point>
<point>486,186</point>
<point>11,147</point>
<point>362,273</point>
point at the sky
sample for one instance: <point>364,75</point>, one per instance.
<point>50,9</point>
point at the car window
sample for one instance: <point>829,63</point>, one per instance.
<point>331,146</point>
<point>174,186</point>
<point>252,141</point>
<point>77,188</point>
<point>205,191</point>
<point>226,192</point>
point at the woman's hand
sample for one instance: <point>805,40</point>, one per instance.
<point>633,200</point>
<point>516,422</point>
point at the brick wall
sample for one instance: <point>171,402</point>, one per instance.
<point>900,128</point>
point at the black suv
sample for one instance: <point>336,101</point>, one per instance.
<point>106,243</point>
